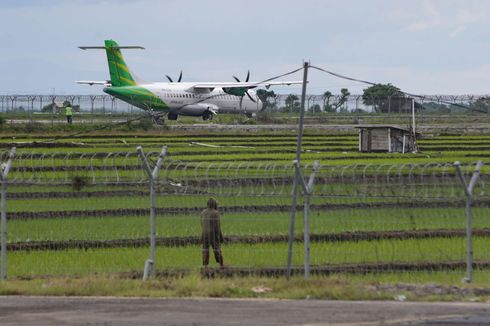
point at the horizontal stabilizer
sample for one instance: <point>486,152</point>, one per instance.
<point>94,82</point>
<point>246,84</point>
<point>112,47</point>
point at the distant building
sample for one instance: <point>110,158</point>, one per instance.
<point>378,138</point>
<point>58,106</point>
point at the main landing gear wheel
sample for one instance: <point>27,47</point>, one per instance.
<point>172,116</point>
<point>208,115</point>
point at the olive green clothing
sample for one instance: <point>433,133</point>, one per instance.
<point>68,111</point>
<point>210,226</point>
<point>211,235</point>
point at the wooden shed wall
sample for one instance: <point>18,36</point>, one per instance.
<point>379,139</point>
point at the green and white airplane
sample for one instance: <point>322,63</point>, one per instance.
<point>204,99</point>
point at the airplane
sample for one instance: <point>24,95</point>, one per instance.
<point>199,99</point>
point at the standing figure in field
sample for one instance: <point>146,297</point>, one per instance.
<point>69,113</point>
<point>211,233</point>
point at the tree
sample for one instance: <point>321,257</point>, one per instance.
<point>47,108</point>
<point>344,95</point>
<point>292,104</point>
<point>268,98</point>
<point>342,99</point>
<point>326,99</point>
<point>482,104</point>
<point>380,95</point>
<point>316,108</point>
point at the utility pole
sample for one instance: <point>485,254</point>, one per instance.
<point>297,172</point>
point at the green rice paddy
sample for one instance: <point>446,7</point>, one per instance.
<point>348,200</point>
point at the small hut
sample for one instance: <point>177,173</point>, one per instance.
<point>378,138</point>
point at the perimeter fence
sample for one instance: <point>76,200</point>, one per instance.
<point>50,107</point>
<point>84,214</point>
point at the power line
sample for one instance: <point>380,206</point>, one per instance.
<point>406,93</point>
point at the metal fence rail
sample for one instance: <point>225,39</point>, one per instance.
<point>79,214</point>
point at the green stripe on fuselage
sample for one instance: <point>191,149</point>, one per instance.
<point>138,96</point>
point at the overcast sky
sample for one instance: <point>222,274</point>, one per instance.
<point>421,46</point>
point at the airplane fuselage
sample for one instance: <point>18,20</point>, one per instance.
<point>204,99</point>
<point>183,99</point>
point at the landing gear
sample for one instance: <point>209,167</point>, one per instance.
<point>207,115</point>
<point>172,116</point>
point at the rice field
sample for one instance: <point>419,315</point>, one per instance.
<point>370,211</point>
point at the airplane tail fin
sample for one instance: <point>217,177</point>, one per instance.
<point>118,69</point>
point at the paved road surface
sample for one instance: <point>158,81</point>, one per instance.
<point>17,310</point>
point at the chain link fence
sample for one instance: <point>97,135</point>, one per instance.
<point>85,214</point>
<point>50,107</point>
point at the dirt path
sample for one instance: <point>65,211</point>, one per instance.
<point>15,310</point>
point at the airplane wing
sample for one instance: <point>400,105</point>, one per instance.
<point>246,85</point>
<point>94,82</point>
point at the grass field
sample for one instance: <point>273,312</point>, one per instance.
<point>369,213</point>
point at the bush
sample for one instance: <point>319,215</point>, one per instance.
<point>78,182</point>
<point>145,123</point>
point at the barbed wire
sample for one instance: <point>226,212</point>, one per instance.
<point>428,180</point>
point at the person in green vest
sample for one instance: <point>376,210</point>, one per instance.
<point>69,113</point>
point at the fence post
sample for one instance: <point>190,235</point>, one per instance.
<point>292,223</point>
<point>308,190</point>
<point>152,177</point>
<point>468,190</point>
<point>4,171</point>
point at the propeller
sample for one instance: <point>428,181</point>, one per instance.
<point>246,92</point>
<point>246,79</point>
<point>178,81</point>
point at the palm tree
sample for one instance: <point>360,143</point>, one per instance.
<point>291,102</point>
<point>326,99</point>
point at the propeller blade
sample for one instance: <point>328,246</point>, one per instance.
<point>180,77</point>
<point>169,79</point>
<point>250,97</point>
<point>236,78</point>
<point>248,76</point>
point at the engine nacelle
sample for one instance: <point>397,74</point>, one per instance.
<point>236,91</point>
